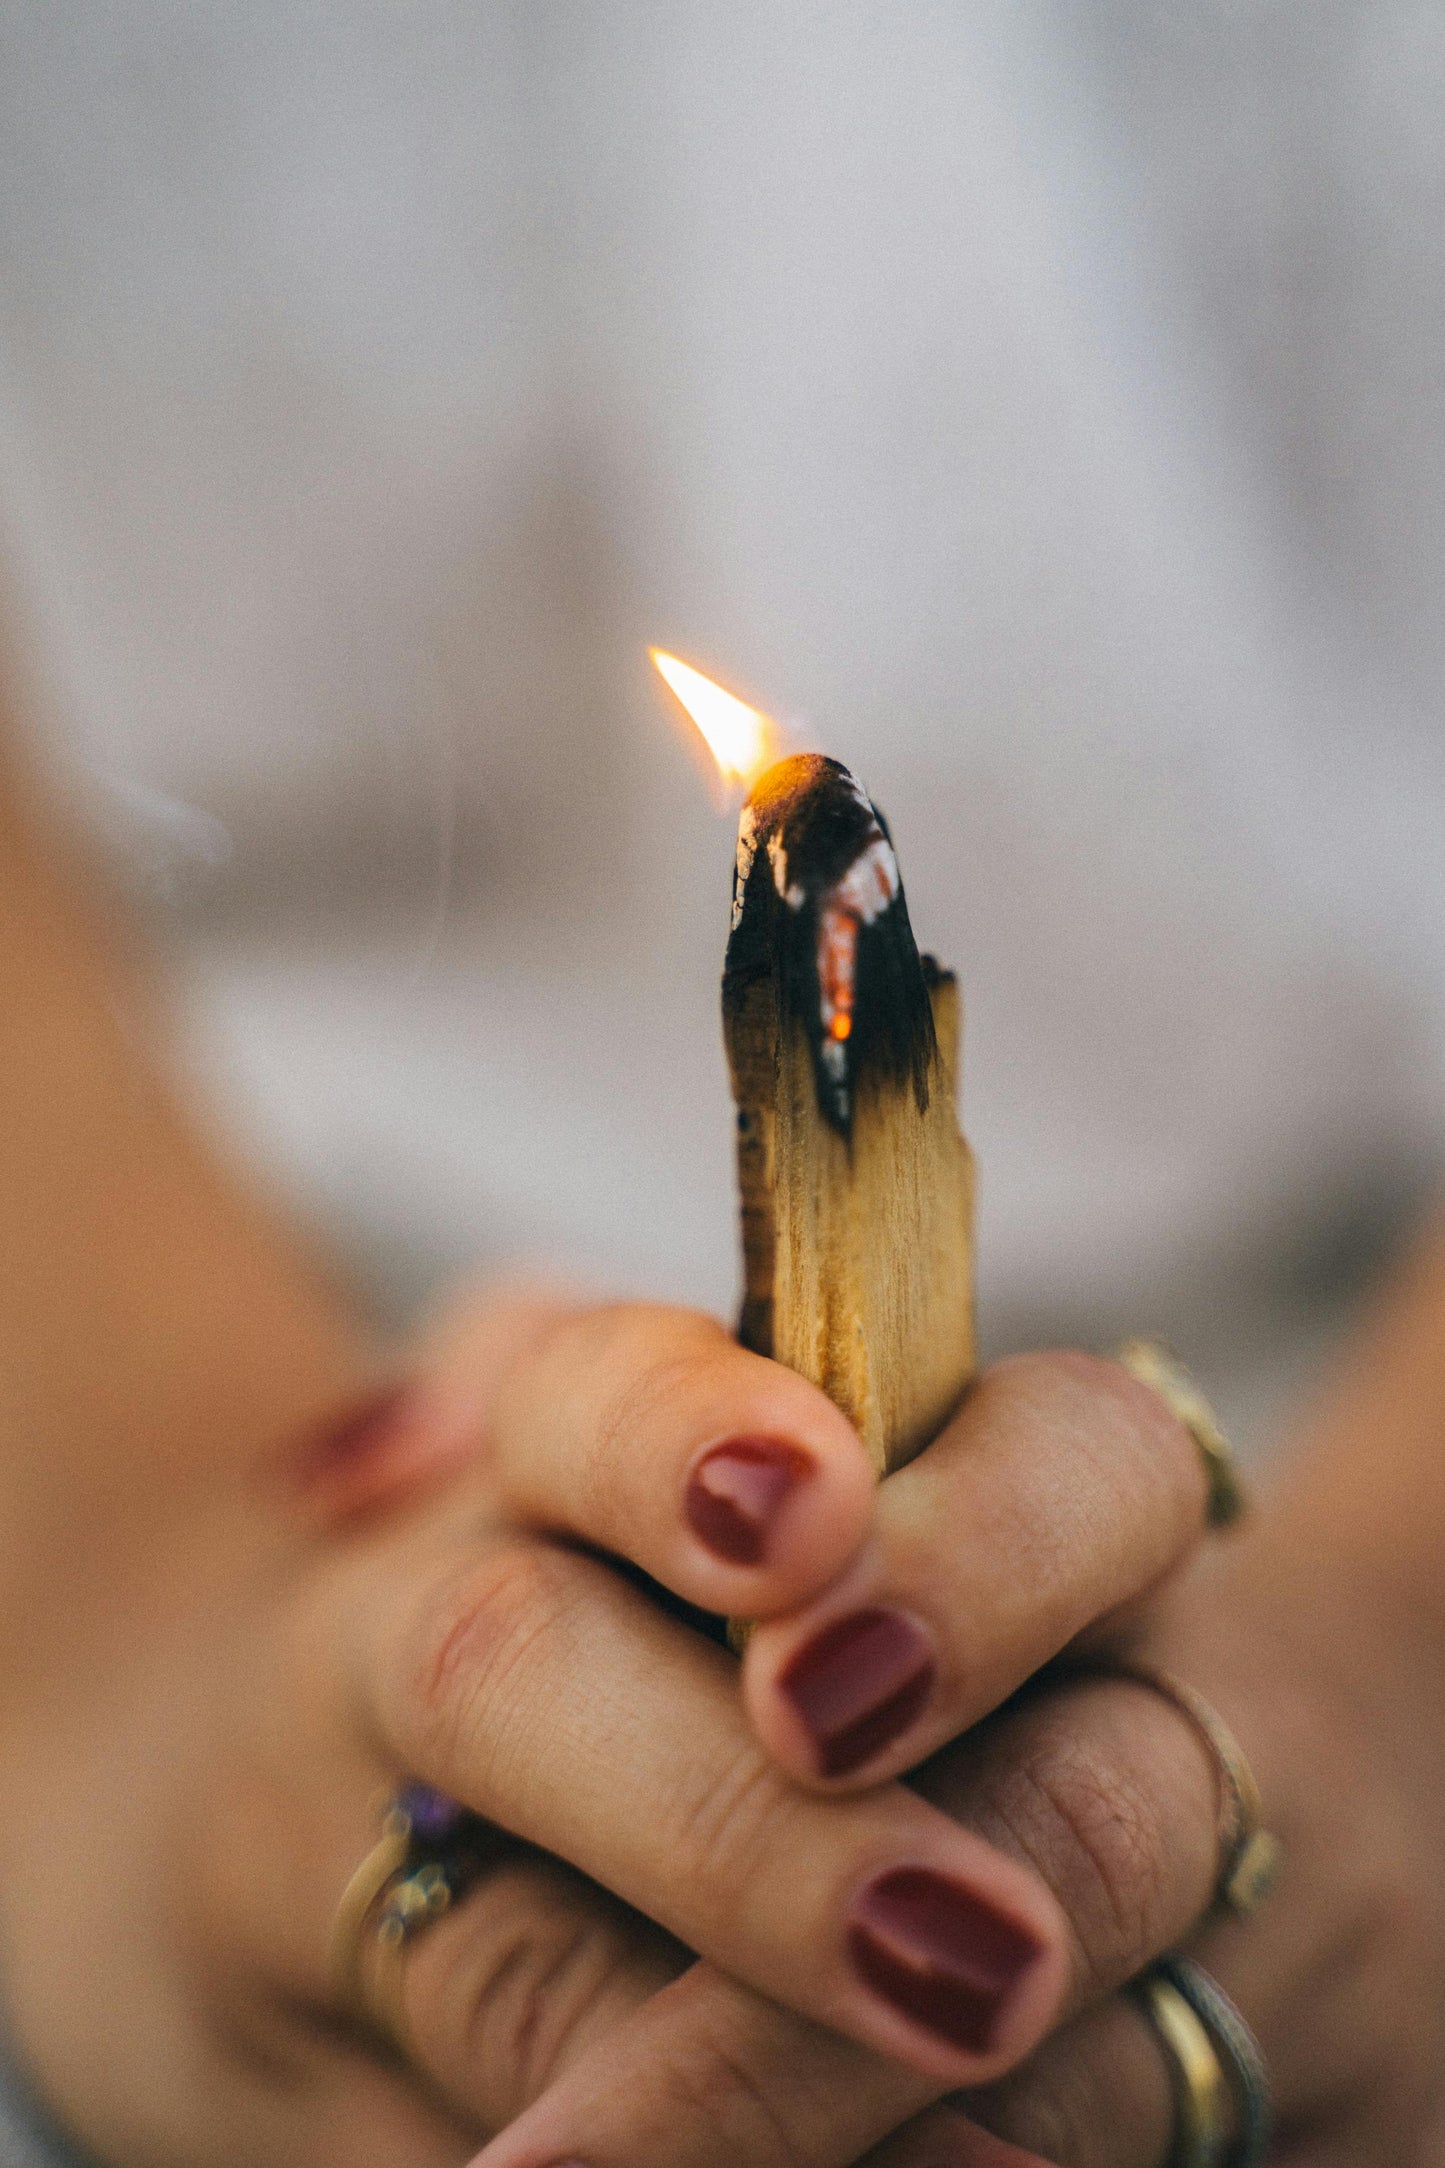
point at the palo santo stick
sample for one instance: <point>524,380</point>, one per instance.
<point>857,1186</point>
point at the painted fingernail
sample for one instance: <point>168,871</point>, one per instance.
<point>735,1492</point>
<point>941,1955</point>
<point>343,1440</point>
<point>859,1684</point>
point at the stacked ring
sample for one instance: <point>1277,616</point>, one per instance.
<point>1223,2114</point>
<point>429,1853</point>
<point>1201,2097</point>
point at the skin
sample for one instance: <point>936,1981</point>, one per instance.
<point>1318,1634</point>
<point>227,1642</point>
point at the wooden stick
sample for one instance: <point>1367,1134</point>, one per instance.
<point>857,1186</point>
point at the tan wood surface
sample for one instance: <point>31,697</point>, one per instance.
<point>858,1253</point>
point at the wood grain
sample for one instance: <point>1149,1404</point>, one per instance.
<point>858,1249</point>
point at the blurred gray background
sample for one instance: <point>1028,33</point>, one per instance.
<point>1040,406</point>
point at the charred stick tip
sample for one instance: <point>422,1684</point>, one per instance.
<point>819,911</point>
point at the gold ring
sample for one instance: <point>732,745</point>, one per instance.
<point>431,1851</point>
<point>1250,1856</point>
<point>1224,2113</point>
<point>380,1868</point>
<point>1156,1366</point>
<point>411,1901</point>
<point>1202,2109</point>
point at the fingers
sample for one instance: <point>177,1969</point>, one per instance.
<point>1098,2094</point>
<point>1109,1794</point>
<point>649,1433</point>
<point>1337,1975</point>
<point>1105,1788</point>
<point>641,1431</point>
<point>403,1434</point>
<point>1061,1491</point>
<point>1063,1784</point>
<point>708,2075</point>
<point>1095,2095</point>
<point>535,1969</point>
<point>551,1697</point>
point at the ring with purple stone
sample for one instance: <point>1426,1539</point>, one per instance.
<point>429,1853</point>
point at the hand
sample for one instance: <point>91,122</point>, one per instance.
<point>1043,1519</point>
<point>1105,1788</point>
<point>209,1794</point>
<point>182,1802</point>
<point>1341,1973</point>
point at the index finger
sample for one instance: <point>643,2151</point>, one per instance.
<point>648,1432</point>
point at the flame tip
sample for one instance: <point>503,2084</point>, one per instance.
<point>742,740</point>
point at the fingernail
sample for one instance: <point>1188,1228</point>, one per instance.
<point>378,1447</point>
<point>733,1497</point>
<point>342,1440</point>
<point>858,1685</point>
<point>940,1954</point>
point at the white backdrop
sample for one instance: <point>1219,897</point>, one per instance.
<point>1040,405</point>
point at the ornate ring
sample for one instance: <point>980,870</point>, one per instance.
<point>1223,2112</point>
<point>429,1853</point>
<point>1250,1856</point>
<point>1156,1366</point>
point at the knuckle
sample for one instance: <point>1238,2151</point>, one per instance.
<point>1095,1397</point>
<point>1037,2120</point>
<point>1096,2095</point>
<point>541,1997</point>
<point>1127,1450</point>
<point>717,2087</point>
<point>643,1364</point>
<point>509,1990</point>
<point>1056,2119</point>
<point>468,1652</point>
<point>1098,1838</point>
<point>515,2021</point>
<point>727,1828</point>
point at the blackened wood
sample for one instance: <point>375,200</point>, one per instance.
<point>856,1183</point>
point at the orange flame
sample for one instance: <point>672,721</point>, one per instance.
<point>742,740</point>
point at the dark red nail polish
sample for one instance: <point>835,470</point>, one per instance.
<point>342,1441</point>
<point>858,1685</point>
<point>940,1954</point>
<point>735,1492</point>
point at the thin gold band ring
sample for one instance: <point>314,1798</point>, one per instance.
<point>1250,1856</point>
<point>1160,1369</point>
